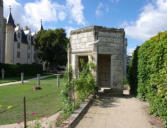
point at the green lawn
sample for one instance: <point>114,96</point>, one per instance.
<point>13,79</point>
<point>46,101</point>
<point>18,78</point>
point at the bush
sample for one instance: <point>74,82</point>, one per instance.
<point>15,70</point>
<point>81,87</point>
<point>149,68</point>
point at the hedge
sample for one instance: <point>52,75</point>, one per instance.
<point>12,70</point>
<point>148,74</point>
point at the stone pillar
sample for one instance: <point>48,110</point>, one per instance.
<point>58,80</point>
<point>125,57</point>
<point>111,73</point>
<point>69,56</point>
<point>117,74</point>
<point>95,57</point>
<point>38,80</point>
<point>75,66</point>
<point>44,66</point>
<point>22,77</point>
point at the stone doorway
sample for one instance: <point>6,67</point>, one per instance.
<point>104,70</point>
<point>83,58</point>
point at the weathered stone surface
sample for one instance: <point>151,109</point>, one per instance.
<point>95,41</point>
<point>2,34</point>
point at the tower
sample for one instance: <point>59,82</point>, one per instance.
<point>2,34</point>
<point>9,48</point>
<point>41,26</point>
<point>1,8</point>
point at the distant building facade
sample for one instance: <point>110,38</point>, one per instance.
<point>17,45</point>
<point>2,34</point>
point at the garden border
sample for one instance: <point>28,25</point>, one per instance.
<point>77,115</point>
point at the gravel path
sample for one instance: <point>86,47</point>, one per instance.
<point>117,112</point>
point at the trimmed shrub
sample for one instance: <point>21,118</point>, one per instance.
<point>15,70</point>
<point>150,74</point>
<point>132,73</point>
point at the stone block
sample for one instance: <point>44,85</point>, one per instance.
<point>117,62</point>
<point>117,57</point>
<point>83,40</point>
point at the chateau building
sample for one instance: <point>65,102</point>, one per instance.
<point>2,34</point>
<point>19,43</point>
<point>106,48</point>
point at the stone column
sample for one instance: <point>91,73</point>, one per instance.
<point>117,73</point>
<point>95,57</point>
<point>22,77</point>
<point>58,80</point>
<point>38,80</point>
<point>111,73</point>
<point>76,67</point>
<point>69,56</point>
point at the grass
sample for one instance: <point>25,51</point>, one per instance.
<point>18,78</point>
<point>46,101</point>
<point>13,79</point>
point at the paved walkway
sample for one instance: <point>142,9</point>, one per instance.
<point>118,112</point>
<point>18,82</point>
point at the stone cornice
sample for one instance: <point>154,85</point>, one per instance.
<point>96,28</point>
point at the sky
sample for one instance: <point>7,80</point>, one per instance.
<point>141,19</point>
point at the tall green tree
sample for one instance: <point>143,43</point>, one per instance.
<point>51,46</point>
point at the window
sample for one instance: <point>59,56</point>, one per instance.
<point>18,54</point>
<point>18,35</point>
<point>28,55</point>
<point>18,45</point>
<point>34,56</point>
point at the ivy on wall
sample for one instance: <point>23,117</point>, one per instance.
<point>147,74</point>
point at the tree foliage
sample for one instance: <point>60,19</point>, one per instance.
<point>51,46</point>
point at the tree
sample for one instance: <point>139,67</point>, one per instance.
<point>51,46</point>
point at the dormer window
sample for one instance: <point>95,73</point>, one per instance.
<point>18,35</point>
<point>18,45</point>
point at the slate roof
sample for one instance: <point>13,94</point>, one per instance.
<point>10,20</point>
<point>23,37</point>
<point>42,27</point>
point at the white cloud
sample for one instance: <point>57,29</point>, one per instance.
<point>76,10</point>
<point>62,15</point>
<point>17,9</point>
<point>130,51</point>
<point>32,12</point>
<point>101,8</point>
<point>152,20</point>
<point>44,9</point>
<point>68,30</point>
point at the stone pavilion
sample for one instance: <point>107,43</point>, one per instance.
<point>106,47</point>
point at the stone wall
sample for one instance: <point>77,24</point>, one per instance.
<point>2,40</point>
<point>2,34</point>
<point>95,40</point>
<point>9,45</point>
